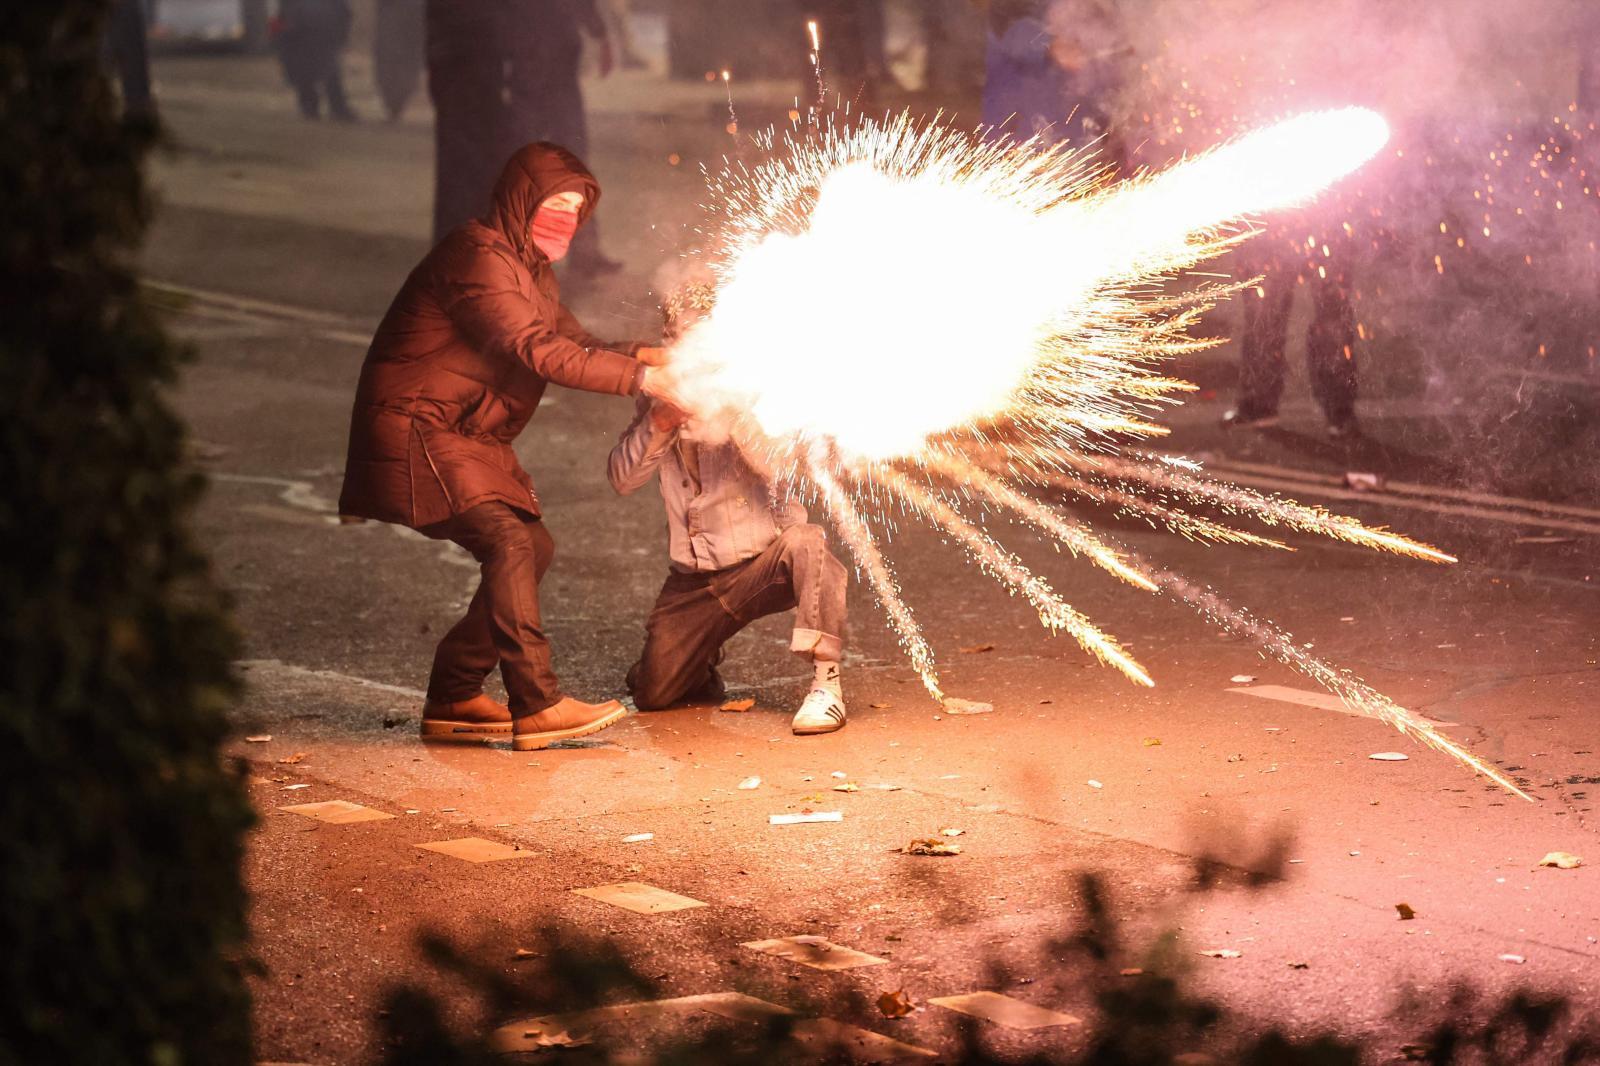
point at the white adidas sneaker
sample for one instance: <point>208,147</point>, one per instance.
<point>821,712</point>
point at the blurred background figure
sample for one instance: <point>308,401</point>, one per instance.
<point>1053,71</point>
<point>854,63</point>
<point>618,15</point>
<point>502,74</point>
<point>309,37</point>
<point>127,45</point>
<point>397,53</point>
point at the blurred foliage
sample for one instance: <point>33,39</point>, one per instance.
<point>121,905</point>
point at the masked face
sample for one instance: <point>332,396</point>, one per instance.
<point>554,223</point>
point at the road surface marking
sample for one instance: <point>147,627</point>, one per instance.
<point>815,952</point>
<point>639,897</point>
<point>1003,1010</point>
<point>337,812</point>
<point>277,666</point>
<point>476,849</point>
<point>1321,700</point>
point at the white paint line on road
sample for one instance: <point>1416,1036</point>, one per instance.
<point>277,666</point>
<point>1324,701</point>
<point>251,303</point>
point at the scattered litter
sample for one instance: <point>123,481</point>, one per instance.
<point>1389,756</point>
<point>1131,971</point>
<point>412,810</point>
<point>1299,966</point>
<point>524,953</point>
<point>1544,540</point>
<point>290,760</point>
<point>639,897</point>
<point>951,832</point>
<point>1242,679</point>
<point>337,812</point>
<point>895,1004</point>
<point>840,774</point>
<point>886,788</point>
<point>1444,645</point>
<point>638,838</point>
<point>447,810</point>
<point>977,649</point>
<point>737,705</point>
<point>1348,618</point>
<point>1405,911</point>
<point>476,849</point>
<point>816,952</point>
<point>878,706</point>
<point>931,846</point>
<point>805,816</point>
<point>1236,757</point>
<point>1152,742</point>
<point>749,783</point>
<point>1561,860</point>
<point>1221,953</point>
<point>539,1039</point>
<point>1003,1010</point>
<point>261,739</point>
<point>948,777</point>
<point>1516,959</point>
<point>292,788</point>
<point>1364,482</point>
<point>1095,784</point>
<point>848,786</point>
<point>957,705</point>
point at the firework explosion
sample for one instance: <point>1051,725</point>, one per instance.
<point>909,320</point>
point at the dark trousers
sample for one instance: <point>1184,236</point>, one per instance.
<point>697,613</point>
<point>1330,342</point>
<point>502,625</point>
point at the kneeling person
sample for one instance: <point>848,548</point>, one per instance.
<point>737,555</point>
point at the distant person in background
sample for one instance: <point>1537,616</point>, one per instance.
<point>397,53</point>
<point>1053,71</point>
<point>619,27</point>
<point>503,73</point>
<point>127,42</point>
<point>309,36</point>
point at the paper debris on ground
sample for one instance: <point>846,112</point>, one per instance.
<point>261,738</point>
<point>848,786</point>
<point>476,849</point>
<point>1405,911</point>
<point>1152,742</point>
<point>737,705</point>
<point>805,816</point>
<point>337,812</point>
<point>750,782</point>
<point>1362,481</point>
<point>977,649</point>
<point>1561,860</point>
<point>816,952</point>
<point>1003,1010</point>
<point>895,1004</point>
<point>638,838</point>
<point>957,705</point>
<point>1544,540</point>
<point>290,760</point>
<point>1517,959</point>
<point>840,774</point>
<point>1389,756</point>
<point>639,897</point>
<point>294,788</point>
<point>1221,953</point>
<point>524,1035</point>
<point>931,846</point>
<point>951,832</point>
<point>1092,783</point>
<point>1242,679</point>
<point>878,706</point>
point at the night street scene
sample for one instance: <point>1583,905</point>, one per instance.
<point>1015,532</point>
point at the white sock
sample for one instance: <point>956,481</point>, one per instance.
<point>827,678</point>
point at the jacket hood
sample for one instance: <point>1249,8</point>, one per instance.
<point>535,173</point>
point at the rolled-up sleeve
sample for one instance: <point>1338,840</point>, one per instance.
<point>639,451</point>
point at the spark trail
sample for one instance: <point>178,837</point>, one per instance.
<point>895,300</point>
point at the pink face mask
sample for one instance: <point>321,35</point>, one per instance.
<point>552,231</point>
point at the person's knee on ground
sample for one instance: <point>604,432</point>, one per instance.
<point>657,690</point>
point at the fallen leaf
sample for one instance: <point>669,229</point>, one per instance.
<point>1389,756</point>
<point>1222,953</point>
<point>524,953</point>
<point>750,782</point>
<point>848,786</point>
<point>261,739</point>
<point>977,649</point>
<point>931,846</point>
<point>1405,911</point>
<point>1561,860</point>
<point>737,705</point>
<point>1152,742</point>
<point>957,705</point>
<point>290,760</point>
<point>895,1004</point>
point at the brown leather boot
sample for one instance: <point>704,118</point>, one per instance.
<point>564,720</point>
<point>477,719</point>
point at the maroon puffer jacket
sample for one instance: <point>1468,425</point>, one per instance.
<point>460,361</point>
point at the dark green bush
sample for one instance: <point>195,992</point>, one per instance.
<point>121,906</point>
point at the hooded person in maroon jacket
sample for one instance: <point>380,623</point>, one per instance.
<point>455,371</point>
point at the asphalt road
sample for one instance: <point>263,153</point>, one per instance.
<point>279,244</point>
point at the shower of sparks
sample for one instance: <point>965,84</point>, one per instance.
<point>908,319</point>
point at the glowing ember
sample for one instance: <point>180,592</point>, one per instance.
<point>908,315</point>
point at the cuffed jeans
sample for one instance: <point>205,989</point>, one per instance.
<point>697,613</point>
<point>502,625</point>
